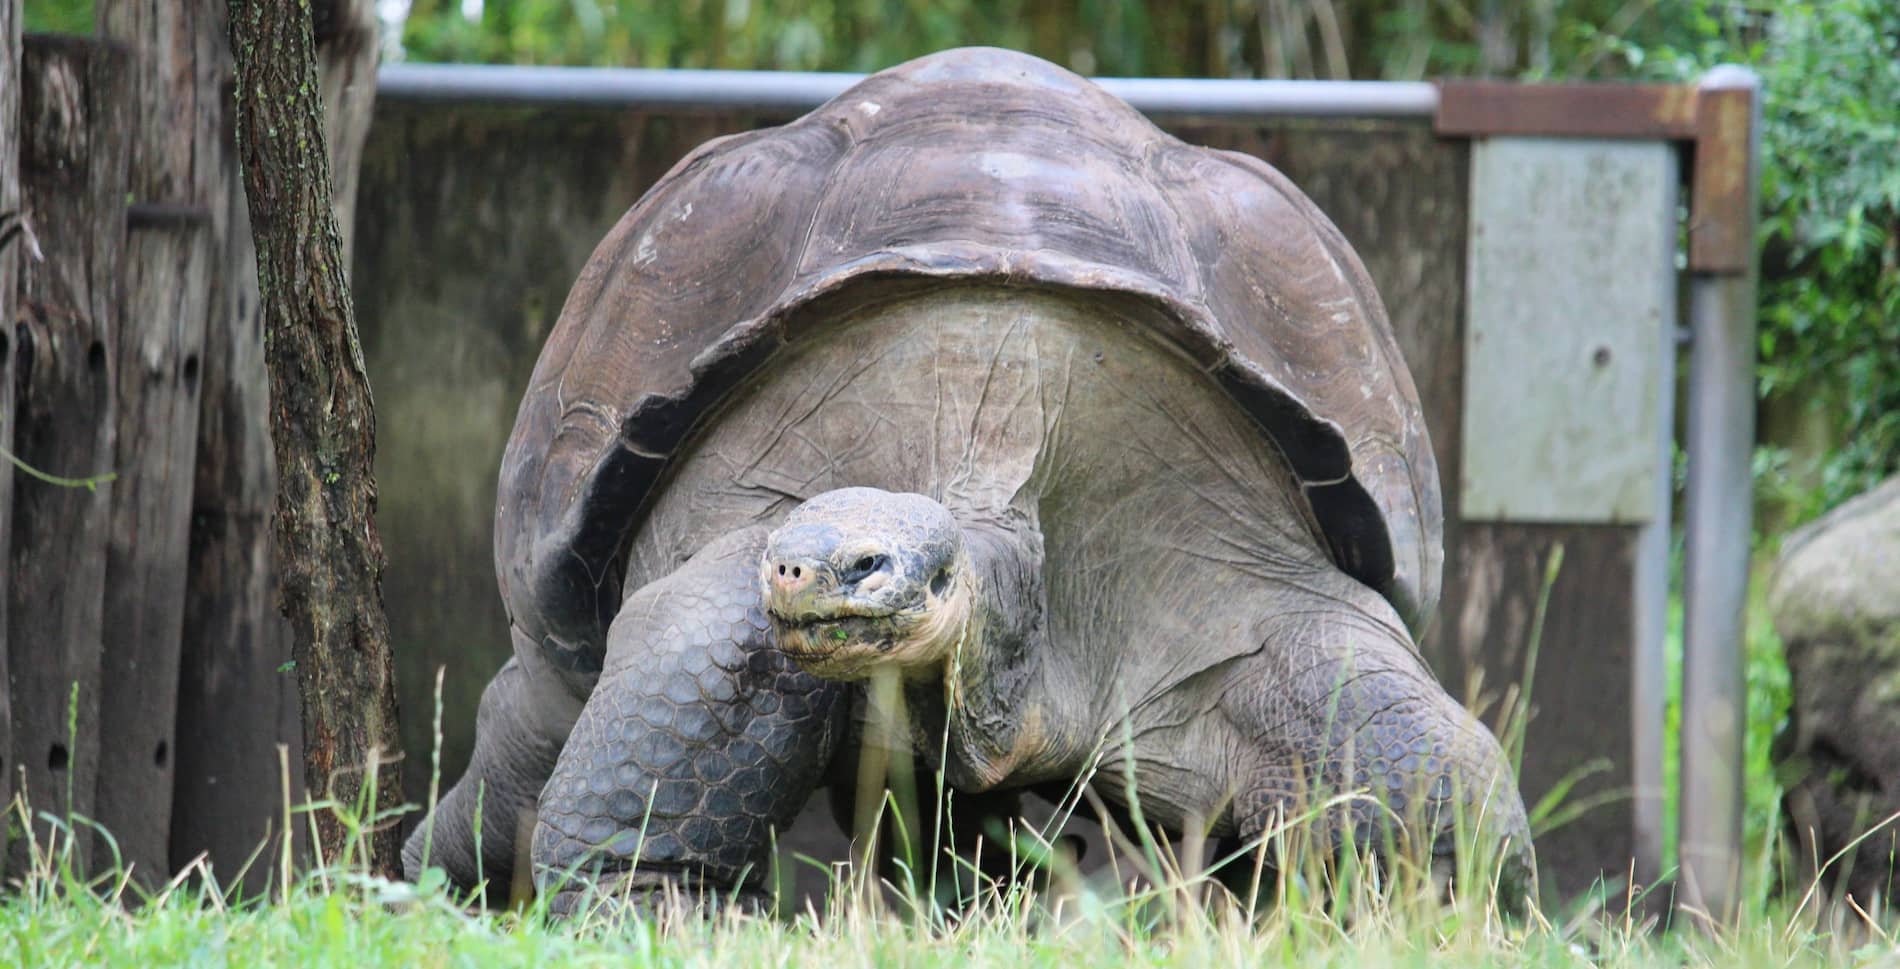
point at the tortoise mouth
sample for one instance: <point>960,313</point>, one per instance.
<point>817,633</point>
<point>829,625</point>
<point>842,615</point>
<point>810,637</point>
<point>848,637</point>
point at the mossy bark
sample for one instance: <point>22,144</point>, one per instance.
<point>322,427</point>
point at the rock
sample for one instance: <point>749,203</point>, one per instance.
<point>1836,603</point>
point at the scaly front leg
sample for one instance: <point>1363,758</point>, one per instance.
<point>700,739</point>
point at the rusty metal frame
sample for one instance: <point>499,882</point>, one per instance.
<point>1714,121</point>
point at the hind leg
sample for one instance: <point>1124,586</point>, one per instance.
<point>700,739</point>
<point>1341,705</point>
<point>526,713</point>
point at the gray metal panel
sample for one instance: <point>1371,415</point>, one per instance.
<point>1570,291</point>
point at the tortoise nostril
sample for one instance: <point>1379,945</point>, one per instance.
<point>791,574</point>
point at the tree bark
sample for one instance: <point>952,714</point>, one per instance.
<point>328,552</point>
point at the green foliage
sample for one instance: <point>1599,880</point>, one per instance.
<point>1831,204</point>
<point>59,16</point>
<point>858,35</point>
<point>1830,224</point>
<point>1236,38</point>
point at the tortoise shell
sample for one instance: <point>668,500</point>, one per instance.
<point>973,164</point>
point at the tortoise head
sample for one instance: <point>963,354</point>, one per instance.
<point>860,579</point>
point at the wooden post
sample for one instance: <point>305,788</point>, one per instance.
<point>346,68</point>
<point>237,696</point>
<point>75,112</point>
<point>169,266</point>
<point>1569,353</point>
<point>12,243</point>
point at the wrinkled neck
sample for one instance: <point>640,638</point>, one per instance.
<point>987,673</point>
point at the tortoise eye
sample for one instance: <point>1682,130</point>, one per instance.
<point>939,582</point>
<point>864,567</point>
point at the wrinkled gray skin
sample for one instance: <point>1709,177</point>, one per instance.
<point>1060,534</point>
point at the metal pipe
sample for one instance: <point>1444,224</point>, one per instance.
<point>1721,439</point>
<point>1649,666</point>
<point>794,92</point>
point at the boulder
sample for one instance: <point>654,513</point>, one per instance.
<point>1836,603</point>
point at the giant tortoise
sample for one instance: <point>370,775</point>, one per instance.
<point>1097,443</point>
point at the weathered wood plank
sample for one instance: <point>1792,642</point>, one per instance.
<point>75,138</point>
<point>346,71</point>
<point>1580,699</point>
<point>168,265</point>
<point>237,698</point>
<point>12,244</point>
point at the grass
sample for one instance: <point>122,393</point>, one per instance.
<point>1341,914</point>
<point>1769,694</point>
<point>341,916</point>
<point>1172,914</point>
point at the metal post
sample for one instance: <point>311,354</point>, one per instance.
<point>1649,597</point>
<point>793,92</point>
<point>1721,437</point>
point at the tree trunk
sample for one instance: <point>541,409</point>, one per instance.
<point>322,428</point>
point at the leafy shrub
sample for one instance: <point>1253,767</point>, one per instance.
<point>1830,224</point>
